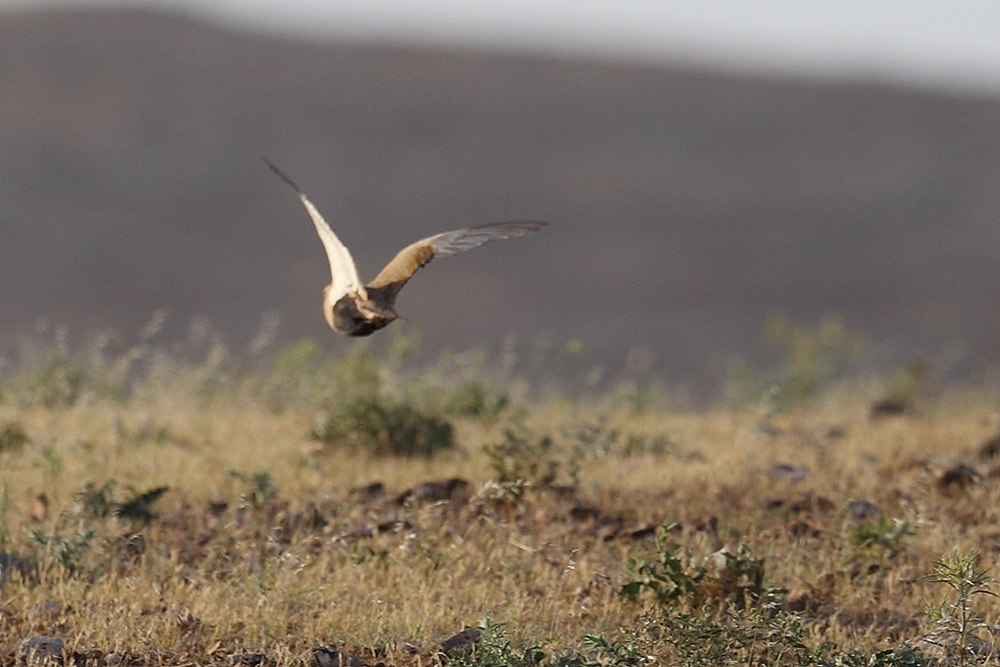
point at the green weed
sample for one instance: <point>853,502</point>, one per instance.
<point>258,488</point>
<point>68,553</point>
<point>494,649</point>
<point>12,437</point>
<point>882,532</point>
<point>382,427</point>
<point>523,456</point>
<point>671,576</point>
<point>814,356</point>
<point>477,400</point>
<point>957,622</point>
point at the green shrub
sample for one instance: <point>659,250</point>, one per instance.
<point>494,650</point>
<point>68,553</point>
<point>97,502</point>
<point>59,383</point>
<point>814,356</point>
<point>670,576</point>
<point>676,577</point>
<point>385,428</point>
<point>524,457</point>
<point>12,437</point>
<point>476,399</point>
<point>881,532</point>
<point>957,622</point>
<point>259,488</point>
<point>908,384</point>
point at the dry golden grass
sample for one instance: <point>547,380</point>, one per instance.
<point>304,556</point>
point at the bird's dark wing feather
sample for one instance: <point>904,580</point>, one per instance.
<point>391,279</point>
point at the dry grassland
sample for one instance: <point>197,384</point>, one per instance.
<point>270,541</point>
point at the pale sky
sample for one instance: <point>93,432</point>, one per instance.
<point>945,44</point>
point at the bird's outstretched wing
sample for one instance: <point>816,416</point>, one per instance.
<point>343,272</point>
<point>391,279</point>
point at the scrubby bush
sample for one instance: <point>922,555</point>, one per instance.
<point>478,400</point>
<point>383,427</point>
<point>12,437</point>
<point>523,456</point>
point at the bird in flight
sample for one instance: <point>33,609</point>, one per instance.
<point>355,309</point>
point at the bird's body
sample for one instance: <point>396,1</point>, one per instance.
<point>355,309</point>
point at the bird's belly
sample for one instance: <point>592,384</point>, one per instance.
<point>350,321</point>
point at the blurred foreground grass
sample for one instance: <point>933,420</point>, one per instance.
<point>177,505</point>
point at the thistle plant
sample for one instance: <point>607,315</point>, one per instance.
<point>966,578</point>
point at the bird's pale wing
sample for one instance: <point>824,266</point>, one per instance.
<point>391,279</point>
<point>343,272</point>
<point>344,276</point>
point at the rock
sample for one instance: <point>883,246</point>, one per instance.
<point>990,449</point>
<point>91,657</point>
<point>957,477</point>
<point>804,528</point>
<point>584,513</point>
<point>706,524</point>
<point>643,532</point>
<point>39,511</point>
<point>369,491</point>
<point>810,502</point>
<point>40,651</point>
<point>248,659</point>
<point>888,407</point>
<point>462,642</point>
<point>9,563</point>
<point>217,508</point>
<point>331,657</point>
<point>393,526</point>
<point>429,492</point>
<point>862,509</point>
<point>768,430</point>
<point>788,473</point>
<point>46,609</point>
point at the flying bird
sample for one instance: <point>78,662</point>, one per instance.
<point>355,309</point>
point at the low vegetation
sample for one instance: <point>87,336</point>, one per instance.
<point>182,504</point>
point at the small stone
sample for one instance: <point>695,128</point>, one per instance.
<point>862,509</point>
<point>584,513</point>
<point>39,508</point>
<point>768,430</point>
<point>804,529</point>
<point>810,502</point>
<point>368,492</point>
<point>248,659</point>
<point>446,489</point>
<point>990,449</point>
<point>888,407</point>
<point>86,658</point>
<point>957,477</point>
<point>705,524</point>
<point>331,657</point>
<point>113,658</point>
<point>46,609</point>
<point>40,651</point>
<point>463,641</point>
<point>787,472</point>
<point>9,563</point>
<point>643,532</point>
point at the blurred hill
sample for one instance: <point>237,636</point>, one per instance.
<point>686,208</point>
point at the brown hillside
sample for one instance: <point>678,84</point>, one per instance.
<point>686,208</point>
